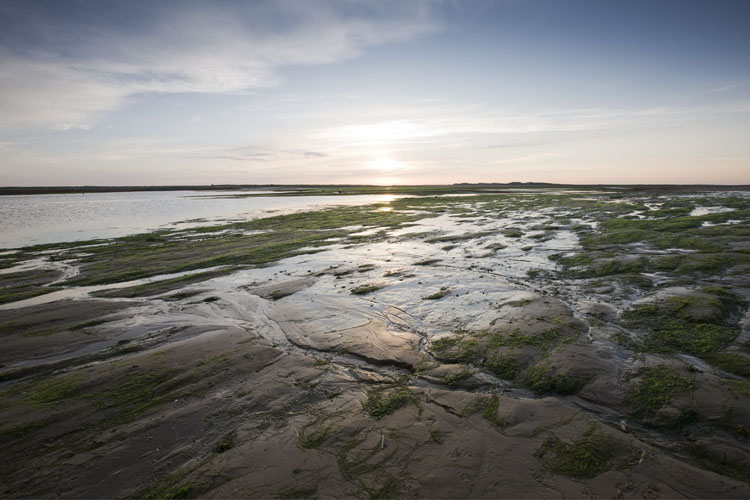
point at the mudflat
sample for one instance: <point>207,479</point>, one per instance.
<point>537,343</point>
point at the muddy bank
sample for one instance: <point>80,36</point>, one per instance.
<point>518,345</point>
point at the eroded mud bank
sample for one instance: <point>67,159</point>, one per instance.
<point>517,345</point>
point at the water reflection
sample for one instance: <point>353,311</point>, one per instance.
<point>39,219</point>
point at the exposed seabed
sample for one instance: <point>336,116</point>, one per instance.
<point>544,344</point>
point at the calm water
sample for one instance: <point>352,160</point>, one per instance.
<point>37,219</point>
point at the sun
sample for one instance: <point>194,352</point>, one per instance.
<point>386,164</point>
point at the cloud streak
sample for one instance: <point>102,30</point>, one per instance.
<point>429,126</point>
<point>75,70</point>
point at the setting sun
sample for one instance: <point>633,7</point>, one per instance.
<point>386,164</point>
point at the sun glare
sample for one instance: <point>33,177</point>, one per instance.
<point>386,164</point>
<point>382,133</point>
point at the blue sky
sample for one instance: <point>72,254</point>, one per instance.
<point>181,92</point>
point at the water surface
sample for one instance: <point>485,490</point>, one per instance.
<point>53,218</point>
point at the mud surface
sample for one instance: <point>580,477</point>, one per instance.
<point>520,345</point>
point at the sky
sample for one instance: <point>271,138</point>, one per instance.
<point>374,92</point>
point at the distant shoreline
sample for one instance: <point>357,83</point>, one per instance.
<point>357,188</point>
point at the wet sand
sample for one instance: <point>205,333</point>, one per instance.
<point>455,355</point>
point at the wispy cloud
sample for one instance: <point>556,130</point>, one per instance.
<point>431,126</point>
<point>64,126</point>
<point>729,86</point>
<point>72,71</point>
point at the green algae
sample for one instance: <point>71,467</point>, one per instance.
<point>491,413</point>
<point>502,366</point>
<point>382,402</point>
<point>592,454</point>
<point>542,379</point>
<point>365,289</point>
<point>439,294</point>
<point>52,391</point>
<point>731,362</point>
<point>698,324</point>
<point>656,387</point>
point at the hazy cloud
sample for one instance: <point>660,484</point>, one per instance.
<point>90,61</point>
<point>314,154</point>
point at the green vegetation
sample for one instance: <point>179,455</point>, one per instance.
<point>22,293</point>
<point>714,263</point>
<point>545,339</point>
<point>543,380</point>
<point>135,396</point>
<point>251,243</point>
<point>280,294</point>
<point>21,431</point>
<point>732,362</point>
<point>438,436</point>
<point>518,303</point>
<point>365,289</point>
<point>427,262</point>
<point>27,284</point>
<point>456,377</point>
<point>657,387</point>
<point>119,350</point>
<point>226,442</point>
<point>743,386</point>
<point>444,343</point>
<point>321,363</point>
<point>496,247</point>
<point>311,440</point>
<point>182,295</point>
<point>491,413</point>
<point>502,366</point>
<point>455,349</point>
<point>439,294</point>
<point>88,324</point>
<point>697,324</point>
<point>162,286</point>
<point>131,258</point>
<point>363,460</point>
<point>621,243</point>
<point>382,402</point>
<point>171,487</point>
<point>595,452</point>
<point>52,391</point>
<point>459,237</point>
